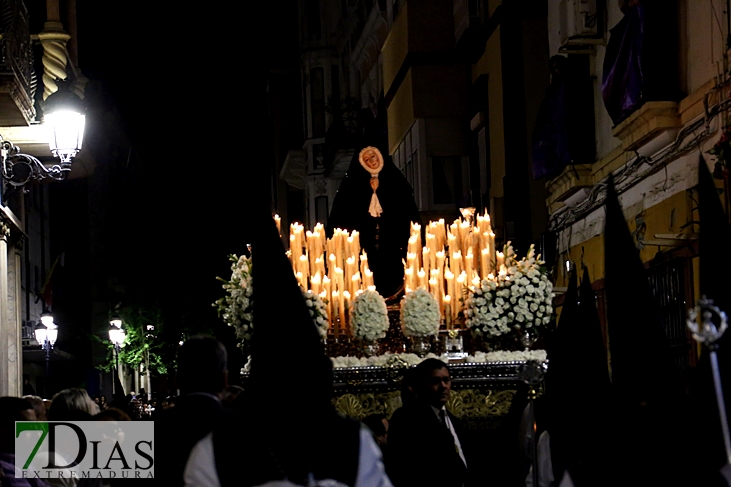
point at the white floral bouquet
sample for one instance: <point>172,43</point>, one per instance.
<point>419,313</point>
<point>237,307</point>
<point>515,301</point>
<point>316,307</point>
<point>369,316</point>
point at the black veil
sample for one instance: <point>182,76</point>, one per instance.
<point>385,238</point>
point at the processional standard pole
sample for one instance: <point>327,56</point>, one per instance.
<point>708,323</point>
<point>47,385</point>
<point>532,373</point>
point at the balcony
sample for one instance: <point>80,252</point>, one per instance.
<point>17,76</point>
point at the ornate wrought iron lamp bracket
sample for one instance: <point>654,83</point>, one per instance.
<point>19,169</point>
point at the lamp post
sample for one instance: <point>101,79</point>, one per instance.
<point>149,337</point>
<point>116,336</point>
<point>46,333</point>
<point>65,120</point>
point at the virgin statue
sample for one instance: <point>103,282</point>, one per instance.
<point>375,199</point>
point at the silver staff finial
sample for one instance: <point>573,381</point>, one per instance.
<point>712,324</point>
<point>708,331</point>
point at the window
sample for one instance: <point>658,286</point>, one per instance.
<point>317,101</point>
<point>668,281</point>
<point>321,210</point>
<point>314,30</point>
<point>446,179</point>
<point>335,84</point>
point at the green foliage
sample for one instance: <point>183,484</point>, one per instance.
<point>141,345</point>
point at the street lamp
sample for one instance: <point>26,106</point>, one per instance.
<point>46,333</point>
<point>65,120</point>
<point>116,336</point>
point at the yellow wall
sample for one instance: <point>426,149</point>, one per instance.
<point>489,64</point>
<point>440,91</point>
<point>401,113</point>
<point>667,216</point>
<point>395,48</point>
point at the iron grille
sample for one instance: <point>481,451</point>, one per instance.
<point>668,281</point>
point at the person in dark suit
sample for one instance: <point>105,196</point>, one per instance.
<point>423,438</point>
<point>202,377</point>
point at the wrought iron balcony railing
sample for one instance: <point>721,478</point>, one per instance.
<point>17,75</point>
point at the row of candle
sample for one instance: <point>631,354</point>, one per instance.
<point>334,268</point>
<point>451,259</point>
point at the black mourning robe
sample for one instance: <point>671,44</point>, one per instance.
<point>384,239</point>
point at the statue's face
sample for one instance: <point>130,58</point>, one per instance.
<point>371,159</point>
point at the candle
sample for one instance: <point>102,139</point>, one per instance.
<point>369,279</point>
<point>500,259</point>
<point>293,254</point>
<point>328,292</point>
<point>434,287</point>
<point>454,231</point>
<point>304,268</point>
<point>355,282</point>
<point>468,263</point>
<point>422,278</point>
<point>315,282</point>
<point>440,260</point>
<point>449,277</point>
<point>363,262</point>
<point>371,288</point>
<point>339,281</point>
<point>331,266</point>
<point>278,221</point>
<point>320,266</point>
<point>448,311</point>
<point>346,308</point>
<point>299,277</point>
<point>441,234</point>
<point>452,242</point>
<point>412,244</point>
<point>339,306</point>
<point>425,258</point>
<point>461,283</point>
<point>409,278</point>
<point>356,242</point>
<point>323,296</point>
<point>476,281</point>
<point>484,267</point>
<point>465,238</point>
<point>492,248</point>
<point>350,270</point>
<point>338,247</point>
<point>456,263</point>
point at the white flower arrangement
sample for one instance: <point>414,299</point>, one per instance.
<point>316,307</point>
<point>369,316</point>
<point>419,313</point>
<point>518,299</point>
<point>413,359</point>
<point>237,307</point>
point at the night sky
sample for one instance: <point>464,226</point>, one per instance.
<point>179,124</point>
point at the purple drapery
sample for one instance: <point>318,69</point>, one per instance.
<point>622,75</point>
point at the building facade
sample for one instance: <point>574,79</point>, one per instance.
<point>470,91</point>
<point>32,63</point>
